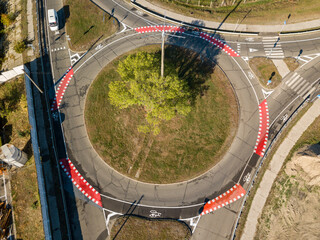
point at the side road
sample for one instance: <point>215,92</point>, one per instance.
<point>274,168</point>
<point>149,7</point>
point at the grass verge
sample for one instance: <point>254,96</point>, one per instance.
<point>186,146</point>
<point>265,70</point>
<point>292,63</point>
<point>262,170</point>
<point>16,130</point>
<point>26,202</point>
<point>143,229</point>
<point>86,23</point>
<point>247,12</point>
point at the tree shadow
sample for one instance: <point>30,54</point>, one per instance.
<point>195,61</point>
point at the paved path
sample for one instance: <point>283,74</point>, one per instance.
<point>231,26</point>
<point>274,168</point>
<point>281,67</point>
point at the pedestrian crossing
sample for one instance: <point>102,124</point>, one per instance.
<point>299,85</point>
<point>272,47</point>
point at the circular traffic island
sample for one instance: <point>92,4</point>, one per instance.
<point>147,145</point>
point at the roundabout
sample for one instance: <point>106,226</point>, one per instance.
<point>182,200</point>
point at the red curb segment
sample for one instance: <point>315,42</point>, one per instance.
<point>263,133</point>
<point>62,88</point>
<point>79,181</point>
<point>232,195</point>
<point>159,28</point>
<point>224,47</point>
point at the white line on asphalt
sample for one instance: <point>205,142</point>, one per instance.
<point>247,79</point>
<point>104,48</point>
<point>151,206</point>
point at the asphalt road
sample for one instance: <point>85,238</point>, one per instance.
<point>182,200</point>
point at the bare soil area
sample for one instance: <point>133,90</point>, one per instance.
<point>292,210</point>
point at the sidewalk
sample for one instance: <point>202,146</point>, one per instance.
<point>274,168</point>
<point>228,26</point>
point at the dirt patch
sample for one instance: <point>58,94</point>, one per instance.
<point>292,211</point>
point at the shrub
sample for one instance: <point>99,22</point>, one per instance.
<point>7,19</point>
<point>20,46</point>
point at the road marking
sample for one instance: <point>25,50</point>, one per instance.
<point>253,50</point>
<point>266,94</point>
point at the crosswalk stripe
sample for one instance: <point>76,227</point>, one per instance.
<point>294,77</point>
<point>304,88</point>
<point>297,82</point>
<point>308,92</point>
<point>299,85</point>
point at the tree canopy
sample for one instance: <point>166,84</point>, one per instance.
<point>162,98</point>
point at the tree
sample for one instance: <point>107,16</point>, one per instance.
<point>141,84</point>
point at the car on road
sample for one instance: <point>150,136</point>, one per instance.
<point>53,20</point>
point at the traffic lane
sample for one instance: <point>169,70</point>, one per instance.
<point>218,224</point>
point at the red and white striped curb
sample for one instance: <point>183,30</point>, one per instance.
<point>216,42</point>
<point>62,88</point>
<point>80,182</point>
<point>160,28</point>
<point>230,196</point>
<point>263,133</point>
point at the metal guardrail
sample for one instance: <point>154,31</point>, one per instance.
<point>36,153</point>
<point>264,156</point>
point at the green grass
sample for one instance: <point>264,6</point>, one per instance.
<point>143,229</point>
<point>265,70</point>
<point>248,12</point>
<point>26,202</point>
<point>186,146</point>
<point>292,63</point>
<point>85,24</point>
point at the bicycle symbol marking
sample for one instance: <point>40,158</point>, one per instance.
<point>250,75</point>
<point>284,118</point>
<point>154,214</point>
<point>247,178</point>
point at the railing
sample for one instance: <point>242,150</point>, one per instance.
<point>36,153</point>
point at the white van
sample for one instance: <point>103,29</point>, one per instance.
<point>53,20</point>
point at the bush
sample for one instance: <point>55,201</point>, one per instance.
<point>7,19</point>
<point>20,46</point>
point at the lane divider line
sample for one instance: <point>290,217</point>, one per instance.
<point>230,196</point>
<point>79,181</point>
<point>263,132</point>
